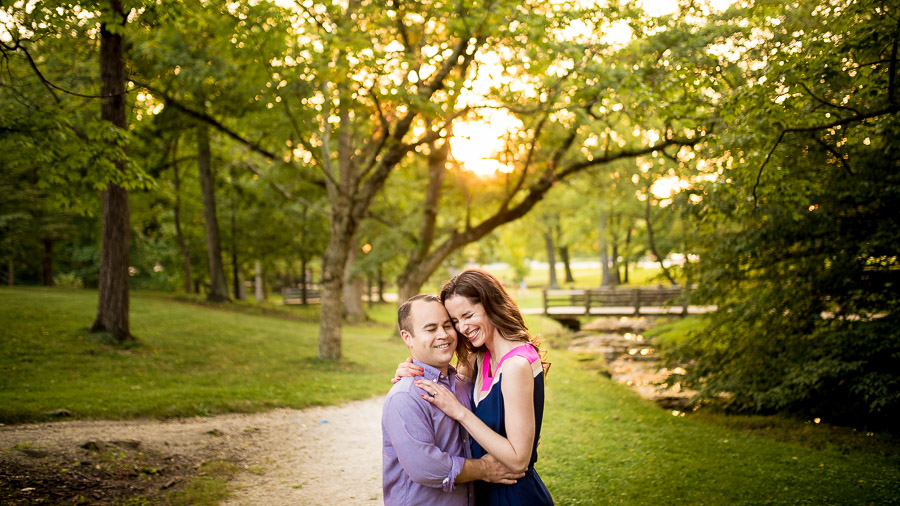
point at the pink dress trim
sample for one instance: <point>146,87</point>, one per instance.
<point>526,351</point>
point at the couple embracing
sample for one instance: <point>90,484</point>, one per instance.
<point>465,436</point>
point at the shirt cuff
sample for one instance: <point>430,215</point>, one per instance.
<point>455,468</point>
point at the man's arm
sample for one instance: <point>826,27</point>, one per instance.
<point>412,437</point>
<point>487,469</point>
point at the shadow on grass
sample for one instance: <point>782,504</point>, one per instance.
<point>107,340</point>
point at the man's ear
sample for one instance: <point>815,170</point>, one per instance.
<point>407,338</point>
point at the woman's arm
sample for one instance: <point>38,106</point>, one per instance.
<point>406,368</point>
<point>517,387</point>
<point>465,369</point>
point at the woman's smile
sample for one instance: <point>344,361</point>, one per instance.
<point>470,319</point>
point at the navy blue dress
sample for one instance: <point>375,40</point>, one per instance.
<point>488,401</point>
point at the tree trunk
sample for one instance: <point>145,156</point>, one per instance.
<point>551,259</point>
<point>218,288</point>
<point>406,288</point>
<point>112,306</point>
<point>304,283</point>
<point>179,235</point>
<point>564,254</point>
<point>614,268</point>
<point>47,262</point>
<point>258,285</point>
<point>662,265</point>
<point>354,310</point>
<point>410,281</point>
<point>235,267</point>
<point>380,286</point>
<point>567,263</point>
<point>11,266</point>
<point>333,264</point>
<point>606,278</point>
<point>627,249</point>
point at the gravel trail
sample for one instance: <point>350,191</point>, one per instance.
<point>324,455</point>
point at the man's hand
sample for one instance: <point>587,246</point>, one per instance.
<point>495,472</point>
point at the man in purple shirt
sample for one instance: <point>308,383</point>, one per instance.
<point>427,455</point>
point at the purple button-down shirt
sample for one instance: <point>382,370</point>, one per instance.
<point>423,449</point>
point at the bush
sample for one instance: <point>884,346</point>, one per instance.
<point>68,280</point>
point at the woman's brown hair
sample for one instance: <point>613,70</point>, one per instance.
<point>481,287</point>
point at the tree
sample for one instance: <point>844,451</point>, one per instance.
<point>176,210</point>
<point>799,243</point>
<point>112,308</point>
<point>218,288</point>
<point>574,105</point>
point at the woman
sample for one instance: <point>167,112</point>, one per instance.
<point>508,374</point>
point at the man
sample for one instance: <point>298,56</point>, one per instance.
<point>427,455</point>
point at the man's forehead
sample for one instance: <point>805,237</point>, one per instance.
<point>427,312</point>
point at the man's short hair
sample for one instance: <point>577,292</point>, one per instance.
<point>404,314</point>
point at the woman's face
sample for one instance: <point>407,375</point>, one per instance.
<point>470,320</point>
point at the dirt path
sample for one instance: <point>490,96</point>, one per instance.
<point>329,455</point>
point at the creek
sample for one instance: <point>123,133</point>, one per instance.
<point>632,359</point>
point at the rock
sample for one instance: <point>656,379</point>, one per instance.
<point>680,403</point>
<point>94,446</point>
<point>215,432</point>
<point>38,454</point>
<point>126,443</point>
<point>169,484</point>
<point>58,413</point>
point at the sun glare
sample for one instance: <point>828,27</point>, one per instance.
<point>475,144</point>
<point>665,187</point>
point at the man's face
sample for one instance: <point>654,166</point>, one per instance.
<point>432,340</point>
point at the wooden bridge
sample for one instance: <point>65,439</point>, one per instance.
<point>567,306</point>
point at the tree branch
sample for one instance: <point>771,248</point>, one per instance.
<point>280,188</point>
<point>834,153</point>
<point>827,103</point>
<point>859,117</point>
<point>209,120</point>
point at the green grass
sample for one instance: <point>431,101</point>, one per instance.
<point>674,331</point>
<point>189,359</point>
<point>210,487</point>
<point>601,443</point>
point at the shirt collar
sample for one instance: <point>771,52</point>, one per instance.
<point>434,374</point>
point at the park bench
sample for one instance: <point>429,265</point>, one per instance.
<point>294,295</point>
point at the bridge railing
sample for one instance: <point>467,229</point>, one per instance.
<point>627,300</point>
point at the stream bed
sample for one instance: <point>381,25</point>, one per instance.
<point>632,359</point>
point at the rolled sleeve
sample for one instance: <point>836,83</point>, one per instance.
<point>455,468</point>
<point>408,425</point>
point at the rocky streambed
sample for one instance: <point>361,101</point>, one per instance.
<point>632,359</point>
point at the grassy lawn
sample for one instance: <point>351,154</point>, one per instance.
<point>601,442</point>
<point>189,360</point>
